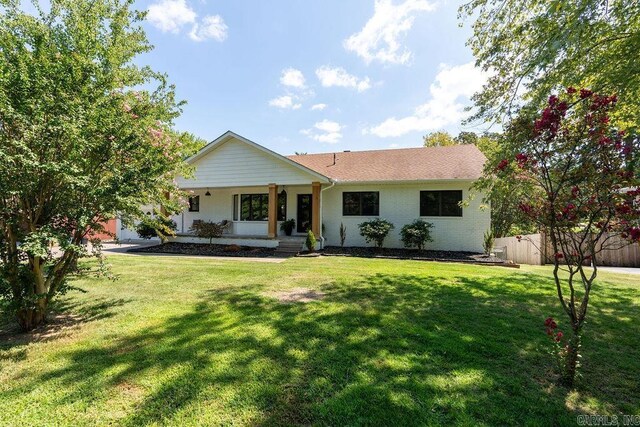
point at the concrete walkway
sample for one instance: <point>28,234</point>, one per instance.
<point>122,249</point>
<point>621,270</point>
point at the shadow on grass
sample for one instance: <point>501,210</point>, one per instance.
<point>62,316</point>
<point>389,349</point>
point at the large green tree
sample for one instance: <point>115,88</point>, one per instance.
<point>85,134</point>
<point>537,47</point>
<point>439,139</point>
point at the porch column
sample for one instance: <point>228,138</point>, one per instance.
<point>272,229</point>
<point>315,208</point>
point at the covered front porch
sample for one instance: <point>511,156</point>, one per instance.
<point>252,214</point>
<point>252,189</point>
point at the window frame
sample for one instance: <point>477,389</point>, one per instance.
<point>251,196</point>
<point>236,207</point>
<point>440,209</point>
<point>346,194</point>
<point>194,203</point>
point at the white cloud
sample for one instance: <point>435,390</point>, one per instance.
<point>325,131</point>
<point>450,92</point>
<point>170,15</point>
<point>338,76</point>
<point>292,77</point>
<point>318,107</point>
<point>380,38</point>
<point>284,102</point>
<point>211,27</point>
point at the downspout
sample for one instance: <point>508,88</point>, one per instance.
<point>321,212</point>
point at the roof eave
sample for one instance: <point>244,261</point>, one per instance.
<point>403,181</point>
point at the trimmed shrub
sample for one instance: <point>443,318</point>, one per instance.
<point>375,231</point>
<point>311,241</point>
<point>207,230</point>
<point>416,234</point>
<point>160,226</point>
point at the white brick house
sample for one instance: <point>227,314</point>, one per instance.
<point>254,189</point>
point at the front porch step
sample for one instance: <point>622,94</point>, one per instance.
<point>289,246</point>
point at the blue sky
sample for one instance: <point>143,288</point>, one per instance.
<point>315,76</point>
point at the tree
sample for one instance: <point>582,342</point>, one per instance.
<point>159,226</point>
<point>439,139</point>
<point>500,193</point>
<point>466,138</point>
<point>579,186</point>
<point>444,139</point>
<point>85,134</point>
<point>536,47</point>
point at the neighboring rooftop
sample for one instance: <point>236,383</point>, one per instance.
<point>403,164</point>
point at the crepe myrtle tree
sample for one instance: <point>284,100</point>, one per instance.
<point>578,185</point>
<point>85,134</point>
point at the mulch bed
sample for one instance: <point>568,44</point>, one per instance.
<point>414,254</point>
<point>205,249</point>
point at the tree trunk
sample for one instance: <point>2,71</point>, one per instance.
<point>31,318</point>
<point>573,348</point>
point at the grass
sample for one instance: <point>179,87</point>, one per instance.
<point>194,341</point>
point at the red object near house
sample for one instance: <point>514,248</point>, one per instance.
<point>110,227</point>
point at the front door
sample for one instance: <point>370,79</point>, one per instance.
<point>304,213</point>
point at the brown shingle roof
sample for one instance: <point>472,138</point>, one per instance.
<point>405,164</point>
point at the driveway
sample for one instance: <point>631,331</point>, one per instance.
<point>621,270</point>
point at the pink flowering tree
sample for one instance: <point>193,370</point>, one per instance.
<point>579,185</point>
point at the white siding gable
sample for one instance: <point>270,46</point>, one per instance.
<point>236,163</point>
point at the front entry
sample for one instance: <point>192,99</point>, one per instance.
<point>304,213</point>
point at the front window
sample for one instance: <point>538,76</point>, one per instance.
<point>282,206</point>
<point>441,203</point>
<point>194,204</point>
<point>361,203</point>
<point>254,207</point>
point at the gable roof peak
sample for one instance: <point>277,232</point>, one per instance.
<point>230,135</point>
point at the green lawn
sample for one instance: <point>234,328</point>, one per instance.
<point>195,341</point>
